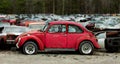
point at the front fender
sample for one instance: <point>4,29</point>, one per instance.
<point>24,39</point>
<point>92,40</point>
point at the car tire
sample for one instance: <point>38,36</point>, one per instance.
<point>86,48</point>
<point>111,49</point>
<point>29,48</point>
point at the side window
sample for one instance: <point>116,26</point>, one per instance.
<point>57,28</point>
<point>74,29</point>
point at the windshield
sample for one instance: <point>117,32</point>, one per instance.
<point>4,24</point>
<point>36,26</point>
<point>45,27</point>
<point>1,18</point>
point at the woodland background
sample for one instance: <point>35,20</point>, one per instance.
<point>61,7</point>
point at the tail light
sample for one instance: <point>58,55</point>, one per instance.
<point>91,34</point>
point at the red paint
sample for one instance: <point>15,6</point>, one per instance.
<point>60,39</point>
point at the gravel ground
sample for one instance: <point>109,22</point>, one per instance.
<point>100,57</point>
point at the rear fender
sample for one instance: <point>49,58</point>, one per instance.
<point>81,39</point>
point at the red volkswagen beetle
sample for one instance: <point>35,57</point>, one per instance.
<point>58,36</point>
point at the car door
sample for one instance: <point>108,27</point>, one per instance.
<point>56,36</point>
<point>74,32</point>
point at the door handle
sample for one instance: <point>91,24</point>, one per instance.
<point>65,35</point>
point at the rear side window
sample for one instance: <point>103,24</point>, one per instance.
<point>74,29</point>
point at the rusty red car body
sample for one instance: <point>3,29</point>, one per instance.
<point>62,40</point>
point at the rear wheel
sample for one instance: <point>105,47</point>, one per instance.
<point>86,48</point>
<point>29,48</point>
<point>112,49</point>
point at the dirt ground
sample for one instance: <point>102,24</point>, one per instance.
<point>99,57</point>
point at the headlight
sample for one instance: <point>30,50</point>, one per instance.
<point>18,41</point>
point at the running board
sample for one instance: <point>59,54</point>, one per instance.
<point>58,49</point>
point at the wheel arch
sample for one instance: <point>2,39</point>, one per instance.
<point>32,41</point>
<point>78,43</point>
<point>36,40</point>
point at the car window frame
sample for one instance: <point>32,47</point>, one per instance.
<point>56,32</point>
<point>74,32</point>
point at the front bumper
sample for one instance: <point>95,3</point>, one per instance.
<point>10,41</point>
<point>113,42</point>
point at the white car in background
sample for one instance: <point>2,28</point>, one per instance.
<point>10,33</point>
<point>36,25</point>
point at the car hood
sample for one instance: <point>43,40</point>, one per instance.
<point>34,32</point>
<point>31,33</point>
<point>3,34</point>
<point>15,33</point>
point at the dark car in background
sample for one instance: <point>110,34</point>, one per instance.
<point>9,34</point>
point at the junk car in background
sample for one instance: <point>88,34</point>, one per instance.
<point>108,33</point>
<point>10,33</point>
<point>109,39</point>
<point>36,25</point>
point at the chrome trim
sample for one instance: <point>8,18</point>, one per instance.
<point>18,43</point>
<point>59,49</point>
<point>10,40</point>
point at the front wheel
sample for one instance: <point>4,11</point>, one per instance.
<point>29,48</point>
<point>86,48</point>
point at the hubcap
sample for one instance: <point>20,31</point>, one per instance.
<point>86,48</point>
<point>30,49</point>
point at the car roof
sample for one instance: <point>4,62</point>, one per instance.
<point>68,22</point>
<point>42,22</point>
<point>64,22</point>
<point>14,26</point>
